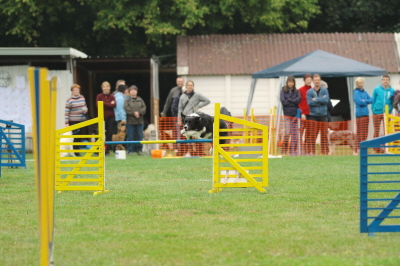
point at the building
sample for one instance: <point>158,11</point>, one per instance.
<point>221,65</point>
<point>73,66</point>
<point>14,91</point>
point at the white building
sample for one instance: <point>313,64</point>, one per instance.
<point>14,87</point>
<point>221,65</point>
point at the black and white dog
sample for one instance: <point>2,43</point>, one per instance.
<point>200,126</point>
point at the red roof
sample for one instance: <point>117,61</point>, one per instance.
<point>248,53</point>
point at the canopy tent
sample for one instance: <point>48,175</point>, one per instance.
<point>321,62</point>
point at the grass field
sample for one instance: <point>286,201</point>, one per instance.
<point>159,212</point>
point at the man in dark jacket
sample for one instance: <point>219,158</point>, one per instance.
<point>135,109</point>
<point>109,117</point>
<point>174,93</point>
<point>318,99</point>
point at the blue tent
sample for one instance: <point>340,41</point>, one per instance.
<point>321,62</point>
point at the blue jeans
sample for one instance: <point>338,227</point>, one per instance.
<point>134,132</point>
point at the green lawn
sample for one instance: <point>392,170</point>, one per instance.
<point>159,212</point>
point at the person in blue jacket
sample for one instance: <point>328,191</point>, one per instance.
<point>361,100</point>
<point>120,114</point>
<point>381,97</point>
<point>318,99</point>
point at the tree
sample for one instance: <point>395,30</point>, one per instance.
<point>143,27</point>
<point>357,16</point>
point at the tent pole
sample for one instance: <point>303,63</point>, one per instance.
<point>251,95</point>
<point>350,87</point>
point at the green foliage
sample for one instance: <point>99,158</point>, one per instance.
<point>357,16</point>
<point>145,27</point>
<point>141,27</point>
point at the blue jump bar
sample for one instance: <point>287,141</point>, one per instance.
<point>160,141</point>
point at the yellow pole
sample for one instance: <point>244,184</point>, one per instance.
<point>52,154</point>
<point>215,153</point>
<point>245,133</point>
<point>43,151</point>
<point>100,115</point>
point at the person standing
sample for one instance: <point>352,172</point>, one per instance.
<point>75,112</point>
<point>318,99</point>
<point>381,97</point>
<point>290,98</point>
<point>119,82</point>
<point>396,101</point>
<point>120,114</point>
<point>329,105</point>
<point>174,93</point>
<point>135,109</point>
<point>305,112</point>
<point>109,116</point>
<point>361,100</point>
<point>190,102</point>
<point>171,107</point>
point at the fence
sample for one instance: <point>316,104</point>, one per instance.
<point>288,136</point>
<point>81,173</point>
<point>12,150</point>
<point>243,160</point>
<point>379,186</point>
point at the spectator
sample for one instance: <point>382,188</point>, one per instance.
<point>135,109</point>
<point>109,116</point>
<point>318,99</point>
<point>329,105</point>
<point>305,112</point>
<point>361,100</point>
<point>126,93</point>
<point>119,82</point>
<point>75,111</point>
<point>120,114</point>
<point>381,97</point>
<point>190,102</point>
<point>171,107</point>
<point>396,101</point>
<point>290,98</point>
<point>172,102</point>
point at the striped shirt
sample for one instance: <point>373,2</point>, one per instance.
<point>74,108</point>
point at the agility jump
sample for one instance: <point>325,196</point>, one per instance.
<point>227,171</point>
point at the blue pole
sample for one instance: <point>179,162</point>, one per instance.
<point>159,141</point>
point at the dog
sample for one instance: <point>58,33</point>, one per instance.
<point>338,137</point>
<point>66,147</point>
<point>120,136</point>
<point>200,126</point>
<point>150,133</point>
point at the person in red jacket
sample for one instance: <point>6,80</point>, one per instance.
<point>109,117</point>
<point>305,112</point>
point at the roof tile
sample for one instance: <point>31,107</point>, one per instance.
<point>248,53</point>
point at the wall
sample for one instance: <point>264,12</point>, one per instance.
<point>64,92</point>
<point>232,91</point>
<point>15,99</point>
